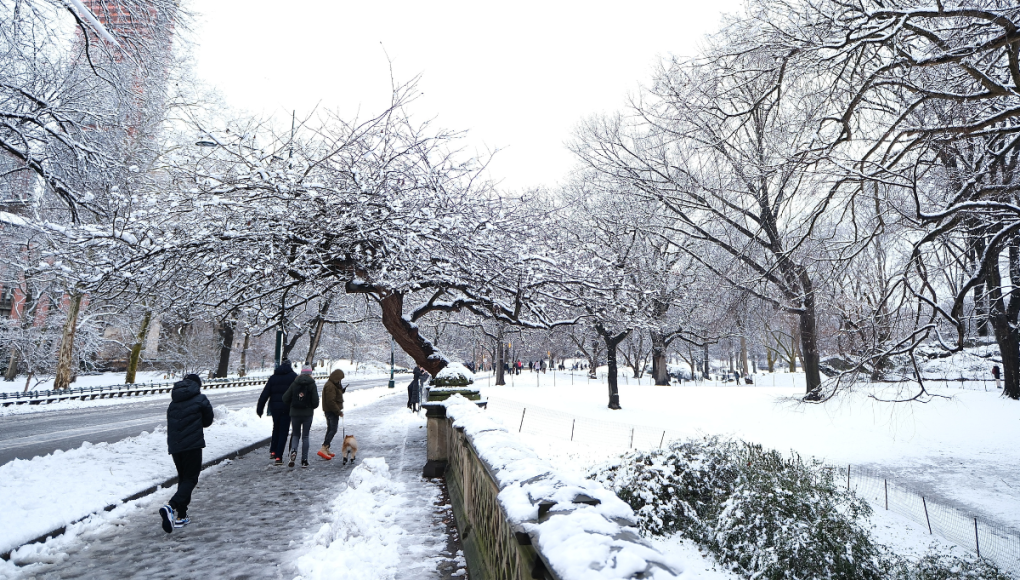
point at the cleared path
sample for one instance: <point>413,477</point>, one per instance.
<point>253,520</point>
<point>24,436</point>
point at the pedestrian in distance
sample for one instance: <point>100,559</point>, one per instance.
<point>187,416</point>
<point>995,373</point>
<point>272,395</point>
<point>333,406</point>
<point>414,389</point>
<point>303,398</point>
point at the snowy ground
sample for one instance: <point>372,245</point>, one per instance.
<point>53,490</point>
<point>960,449</point>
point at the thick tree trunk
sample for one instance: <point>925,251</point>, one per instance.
<point>244,356</point>
<point>500,360</point>
<point>65,358</point>
<point>226,345</point>
<point>809,345</point>
<point>406,334</point>
<point>289,346</point>
<point>660,372</point>
<point>136,349</point>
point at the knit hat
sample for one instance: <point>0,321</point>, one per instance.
<point>194,378</point>
<point>306,370</point>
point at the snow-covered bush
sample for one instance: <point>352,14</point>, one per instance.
<point>764,514</point>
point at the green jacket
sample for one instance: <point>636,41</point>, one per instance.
<point>312,405</point>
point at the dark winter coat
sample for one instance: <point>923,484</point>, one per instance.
<point>333,393</point>
<point>276,386</point>
<point>187,416</point>
<point>414,389</point>
<point>288,397</point>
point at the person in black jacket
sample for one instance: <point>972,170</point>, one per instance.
<point>276,386</point>
<point>187,416</point>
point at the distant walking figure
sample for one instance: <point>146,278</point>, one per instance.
<point>187,416</point>
<point>995,373</point>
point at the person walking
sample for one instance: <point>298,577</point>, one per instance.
<point>272,394</point>
<point>303,399</point>
<point>187,416</point>
<point>995,373</point>
<point>333,406</point>
<point>414,389</point>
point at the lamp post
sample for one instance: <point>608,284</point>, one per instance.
<point>391,363</point>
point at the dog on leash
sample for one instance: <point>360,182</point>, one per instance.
<point>350,447</point>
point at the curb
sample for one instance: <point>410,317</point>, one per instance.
<point>147,491</point>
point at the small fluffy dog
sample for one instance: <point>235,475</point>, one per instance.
<point>350,447</point>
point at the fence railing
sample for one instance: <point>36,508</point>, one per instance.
<point>127,390</point>
<point>996,542</point>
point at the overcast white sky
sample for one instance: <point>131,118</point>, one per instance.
<point>517,76</point>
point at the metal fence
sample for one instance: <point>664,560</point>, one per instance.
<point>998,543</point>
<point>136,389</point>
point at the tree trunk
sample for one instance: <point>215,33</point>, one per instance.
<point>12,365</point>
<point>809,345</point>
<point>611,343</point>
<point>406,334</point>
<point>708,366</point>
<point>500,359</point>
<point>743,355</point>
<point>315,335</point>
<point>244,355</point>
<point>226,345</point>
<point>1003,319</point>
<point>136,349</point>
<point>289,346</point>
<point>770,359</point>
<point>660,370</point>
<point>65,359</point>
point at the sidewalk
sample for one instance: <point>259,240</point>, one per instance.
<point>253,520</point>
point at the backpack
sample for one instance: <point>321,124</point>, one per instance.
<point>302,398</point>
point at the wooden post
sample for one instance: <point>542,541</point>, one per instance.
<point>886,495</point>
<point>662,439</point>
<point>977,543</point>
<point>523,411</point>
<point>632,437</point>
<point>573,422</point>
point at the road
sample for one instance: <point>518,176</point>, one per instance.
<point>29,435</point>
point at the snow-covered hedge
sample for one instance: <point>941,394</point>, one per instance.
<point>763,514</point>
<point>579,541</point>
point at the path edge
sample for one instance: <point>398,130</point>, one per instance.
<point>138,495</point>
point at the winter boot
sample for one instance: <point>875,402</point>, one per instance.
<point>304,463</point>
<point>331,454</point>
<point>278,462</point>
<point>324,453</point>
<point>293,458</point>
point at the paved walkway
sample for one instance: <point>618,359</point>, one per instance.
<point>253,520</point>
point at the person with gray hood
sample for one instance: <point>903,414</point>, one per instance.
<point>303,398</point>
<point>187,417</point>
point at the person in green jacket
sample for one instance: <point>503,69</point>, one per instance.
<point>303,398</point>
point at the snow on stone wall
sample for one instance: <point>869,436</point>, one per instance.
<point>584,531</point>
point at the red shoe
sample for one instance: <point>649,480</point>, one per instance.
<point>323,453</point>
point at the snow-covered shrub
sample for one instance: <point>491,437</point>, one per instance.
<point>941,567</point>
<point>766,515</point>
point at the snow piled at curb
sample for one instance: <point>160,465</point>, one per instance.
<point>579,541</point>
<point>362,539</point>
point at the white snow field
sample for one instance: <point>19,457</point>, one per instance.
<point>958,448</point>
<point>48,492</point>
